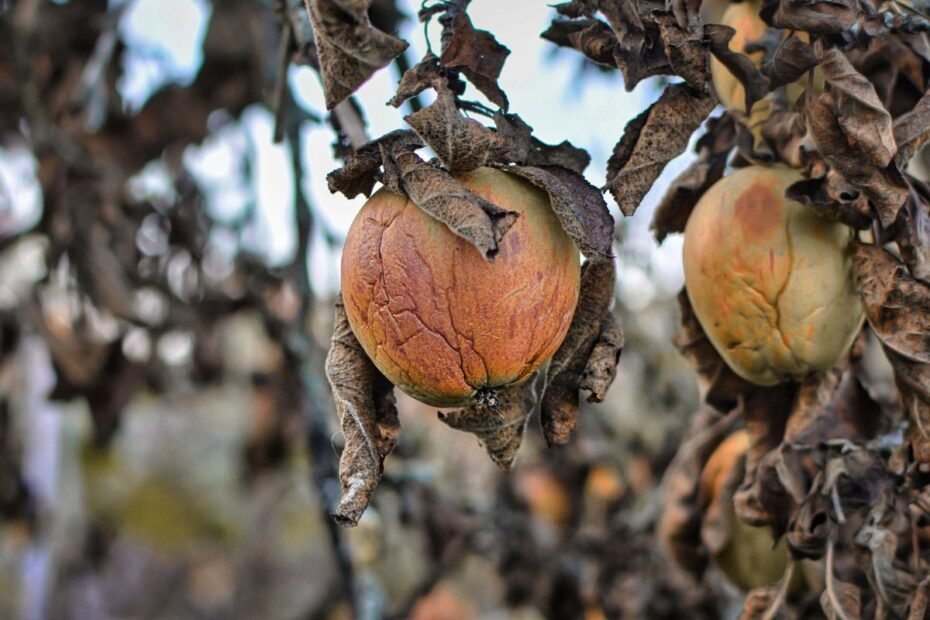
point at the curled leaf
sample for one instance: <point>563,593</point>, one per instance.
<point>818,17</point>
<point>601,369</point>
<point>366,406</point>
<point>349,47</point>
<point>685,48</point>
<point>499,422</point>
<point>755,85</point>
<point>861,115</point>
<point>713,148</point>
<point>911,131</point>
<point>425,74</point>
<point>522,148</point>
<point>462,144</point>
<point>476,53</point>
<point>833,198</point>
<point>898,310</point>
<point>559,413</point>
<point>579,206</point>
<point>434,190</point>
<point>362,168</point>
<point>651,140</point>
<point>791,60</point>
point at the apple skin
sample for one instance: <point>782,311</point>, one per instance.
<point>437,319</point>
<point>768,279</point>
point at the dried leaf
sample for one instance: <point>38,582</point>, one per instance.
<point>462,144</point>
<point>893,584</point>
<point>685,49</point>
<point>712,148</point>
<point>435,191</point>
<point>911,131</point>
<point>755,85</point>
<point>919,608</point>
<point>912,231</point>
<point>651,140</point>
<point>362,168</point>
<point>864,120</point>
<point>841,600</point>
<point>791,60</point>
<point>591,37</point>
<point>559,412</point>
<point>601,369</point>
<point>834,199</point>
<point>350,49</point>
<point>818,17</point>
<point>786,133</point>
<point>425,74</point>
<point>365,403</point>
<point>885,187</point>
<point>679,526</point>
<point>499,422</point>
<point>763,603</point>
<point>579,206</point>
<point>720,386</point>
<point>898,310</point>
<point>523,148</point>
<point>476,53</point>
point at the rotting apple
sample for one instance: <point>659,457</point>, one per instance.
<point>769,279</point>
<point>747,555</point>
<point>439,321</point>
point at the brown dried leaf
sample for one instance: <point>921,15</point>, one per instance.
<point>919,608</point>
<point>755,85</point>
<point>763,603</point>
<point>786,133</point>
<point>362,168</point>
<point>435,191</point>
<point>477,54</point>
<point>860,113</point>
<point>462,144</point>
<point>425,74</point>
<point>712,148</point>
<point>817,17</point>
<point>898,310</point>
<point>523,148</point>
<point>840,600</point>
<point>350,49</point>
<point>911,131</point>
<point>791,60</point>
<point>720,386</point>
<point>679,526</point>
<point>499,425</point>
<point>834,199</point>
<point>885,187</point>
<point>591,37</point>
<point>651,140</point>
<point>559,412</point>
<point>685,49</point>
<point>912,231</point>
<point>366,407</point>
<point>894,584</point>
<point>579,206</point>
<point>601,369</point>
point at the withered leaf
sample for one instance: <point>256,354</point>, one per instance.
<point>559,413</point>
<point>522,148</point>
<point>912,231</point>
<point>462,144</point>
<point>477,54</point>
<point>434,190</point>
<point>894,584</point>
<point>651,140</point>
<point>720,386</point>
<point>791,60</point>
<point>679,526</point>
<point>755,85</point>
<point>898,309</point>
<point>591,37</point>
<point>919,607</point>
<point>911,131</point>
<point>601,369</point>
<point>840,600</point>
<point>764,603</point>
<point>786,132</point>
<point>366,406</point>
<point>685,49</point>
<point>713,148</point>
<point>349,47</point>
<point>499,422</point>
<point>579,206</point>
<point>833,198</point>
<point>362,168</point>
<point>864,120</point>
<point>425,74</point>
<point>885,187</point>
<point>817,17</point>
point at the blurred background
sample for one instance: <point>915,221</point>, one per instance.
<point>167,270</point>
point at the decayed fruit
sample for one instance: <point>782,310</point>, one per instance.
<point>769,280</point>
<point>747,555</point>
<point>438,320</point>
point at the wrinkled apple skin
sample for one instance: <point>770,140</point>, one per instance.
<point>438,320</point>
<point>769,280</point>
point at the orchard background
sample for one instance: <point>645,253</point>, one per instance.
<point>169,260</point>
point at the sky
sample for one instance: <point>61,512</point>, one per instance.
<point>164,38</point>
